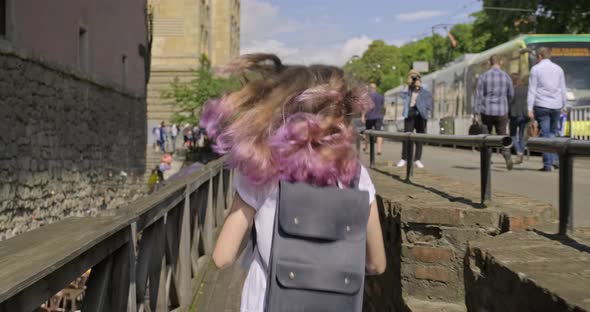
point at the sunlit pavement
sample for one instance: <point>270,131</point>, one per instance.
<point>524,179</point>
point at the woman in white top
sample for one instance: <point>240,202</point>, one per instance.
<point>289,123</point>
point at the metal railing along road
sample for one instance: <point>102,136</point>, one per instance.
<point>147,256</point>
<point>485,143</point>
<point>565,148</point>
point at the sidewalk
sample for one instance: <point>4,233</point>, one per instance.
<point>524,179</point>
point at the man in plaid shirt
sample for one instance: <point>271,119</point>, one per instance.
<point>494,92</point>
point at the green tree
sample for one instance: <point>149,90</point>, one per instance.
<point>386,64</point>
<point>190,97</point>
<point>502,20</point>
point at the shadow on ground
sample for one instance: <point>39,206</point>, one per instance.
<point>438,192</point>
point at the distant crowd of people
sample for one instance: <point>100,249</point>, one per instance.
<point>503,105</point>
<point>165,137</point>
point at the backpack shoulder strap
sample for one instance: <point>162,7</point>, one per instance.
<point>354,184</point>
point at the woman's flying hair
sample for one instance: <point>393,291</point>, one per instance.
<point>287,122</point>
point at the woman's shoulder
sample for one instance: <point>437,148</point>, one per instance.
<point>366,184</point>
<point>252,194</point>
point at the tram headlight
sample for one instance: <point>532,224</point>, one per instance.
<point>570,96</point>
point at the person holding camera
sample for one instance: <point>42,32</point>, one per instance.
<point>417,108</point>
<point>494,92</point>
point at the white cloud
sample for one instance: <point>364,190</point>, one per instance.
<point>262,20</point>
<point>336,54</point>
<point>271,46</point>
<point>418,15</point>
<point>377,20</point>
<point>263,27</point>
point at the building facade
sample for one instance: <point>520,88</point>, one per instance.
<point>72,108</point>
<point>183,30</point>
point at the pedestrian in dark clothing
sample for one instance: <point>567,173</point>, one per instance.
<point>373,119</point>
<point>163,136</point>
<point>518,117</point>
<point>417,109</point>
<point>494,92</point>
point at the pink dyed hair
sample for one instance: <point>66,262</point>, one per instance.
<point>290,123</point>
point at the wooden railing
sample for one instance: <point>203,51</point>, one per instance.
<point>147,256</point>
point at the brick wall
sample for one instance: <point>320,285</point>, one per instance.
<point>70,145</point>
<point>427,229</point>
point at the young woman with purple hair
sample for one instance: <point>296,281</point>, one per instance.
<point>287,123</point>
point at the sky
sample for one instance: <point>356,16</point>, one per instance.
<point>332,31</point>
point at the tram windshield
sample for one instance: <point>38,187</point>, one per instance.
<point>574,59</point>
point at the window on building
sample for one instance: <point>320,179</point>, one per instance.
<point>83,49</point>
<point>124,70</point>
<point>3,18</point>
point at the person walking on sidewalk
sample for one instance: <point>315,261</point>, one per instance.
<point>295,125</point>
<point>494,92</point>
<point>173,135</point>
<point>156,133</point>
<point>373,119</point>
<point>417,108</point>
<point>546,98</point>
<point>163,137</point>
<point>519,117</point>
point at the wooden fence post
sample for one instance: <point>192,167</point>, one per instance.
<point>209,224</point>
<point>182,276</point>
<point>230,191</point>
<point>220,200</point>
<point>132,302</point>
<point>108,286</point>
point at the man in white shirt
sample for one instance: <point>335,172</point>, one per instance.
<point>546,98</point>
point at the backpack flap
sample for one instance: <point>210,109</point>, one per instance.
<point>311,277</point>
<point>327,213</point>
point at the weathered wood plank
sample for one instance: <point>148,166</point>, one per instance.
<point>37,264</point>
<point>183,274</point>
<point>219,201</point>
<point>209,220</point>
<point>132,300</point>
<point>144,259</point>
<point>120,278</point>
<point>97,293</point>
<point>163,289</point>
<point>143,207</point>
<point>196,239</point>
<point>157,261</point>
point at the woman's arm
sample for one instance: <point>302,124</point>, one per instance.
<point>376,262</point>
<point>234,229</point>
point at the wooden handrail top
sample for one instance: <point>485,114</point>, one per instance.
<point>30,257</point>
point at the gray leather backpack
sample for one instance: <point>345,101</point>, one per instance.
<point>317,260</point>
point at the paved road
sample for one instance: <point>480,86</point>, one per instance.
<point>523,179</point>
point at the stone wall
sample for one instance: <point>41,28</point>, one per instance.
<point>528,271</point>
<point>427,227</point>
<point>68,145</point>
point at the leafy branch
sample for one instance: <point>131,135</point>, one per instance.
<point>189,97</point>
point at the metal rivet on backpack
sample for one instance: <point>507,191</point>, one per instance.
<point>291,275</point>
<point>295,220</point>
<point>346,281</point>
<point>347,228</point>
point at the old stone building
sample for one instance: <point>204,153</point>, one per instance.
<point>72,108</point>
<point>183,30</point>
